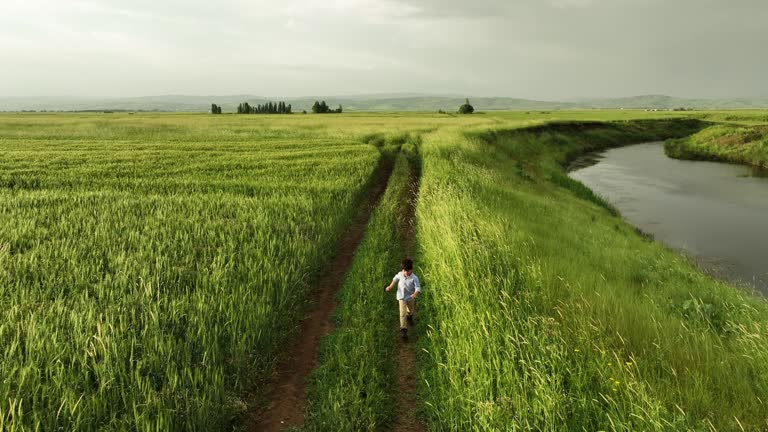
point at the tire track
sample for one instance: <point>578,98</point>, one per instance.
<point>407,378</point>
<point>287,389</point>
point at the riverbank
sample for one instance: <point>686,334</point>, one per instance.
<point>548,312</point>
<point>659,195</point>
<point>746,145</point>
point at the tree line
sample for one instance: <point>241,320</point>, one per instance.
<point>267,108</point>
<point>323,108</point>
<point>277,108</point>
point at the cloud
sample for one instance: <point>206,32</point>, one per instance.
<point>527,48</point>
<point>572,3</point>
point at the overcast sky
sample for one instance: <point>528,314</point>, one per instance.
<point>538,49</point>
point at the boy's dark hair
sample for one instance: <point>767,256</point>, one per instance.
<point>407,264</point>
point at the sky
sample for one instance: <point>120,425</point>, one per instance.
<point>535,49</point>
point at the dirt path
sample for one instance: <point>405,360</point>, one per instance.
<point>407,419</point>
<point>287,387</point>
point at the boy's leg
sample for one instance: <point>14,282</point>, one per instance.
<point>411,309</point>
<point>403,314</point>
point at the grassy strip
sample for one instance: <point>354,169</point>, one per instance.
<point>546,312</point>
<point>352,389</point>
<point>746,145</point>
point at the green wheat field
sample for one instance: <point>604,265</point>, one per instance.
<point>153,266</point>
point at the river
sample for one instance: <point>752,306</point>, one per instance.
<point>714,212</point>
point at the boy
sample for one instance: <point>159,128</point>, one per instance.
<point>408,288</point>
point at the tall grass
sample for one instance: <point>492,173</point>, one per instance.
<point>548,313</point>
<point>746,145</point>
<point>148,285</point>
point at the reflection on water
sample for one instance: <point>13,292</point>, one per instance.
<point>759,172</point>
<point>714,211</point>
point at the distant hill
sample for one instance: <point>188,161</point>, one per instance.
<point>669,102</point>
<point>380,102</point>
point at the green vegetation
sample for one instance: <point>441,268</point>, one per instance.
<point>730,143</point>
<point>152,266</point>
<point>322,108</point>
<point>215,109</point>
<point>466,108</point>
<point>148,284</point>
<point>547,312</point>
<point>353,386</point>
<point>267,108</point>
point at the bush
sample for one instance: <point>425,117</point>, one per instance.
<point>466,108</point>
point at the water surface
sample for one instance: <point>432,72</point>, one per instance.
<point>714,211</point>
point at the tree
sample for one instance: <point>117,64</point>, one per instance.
<point>268,107</point>
<point>323,108</point>
<point>466,108</point>
<point>245,108</point>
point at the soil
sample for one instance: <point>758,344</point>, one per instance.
<point>287,389</point>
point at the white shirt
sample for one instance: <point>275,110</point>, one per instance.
<point>406,285</point>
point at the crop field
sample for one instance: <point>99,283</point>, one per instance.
<point>153,266</point>
<point>145,283</point>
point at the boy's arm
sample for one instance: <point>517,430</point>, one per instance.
<point>418,286</point>
<point>391,284</point>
